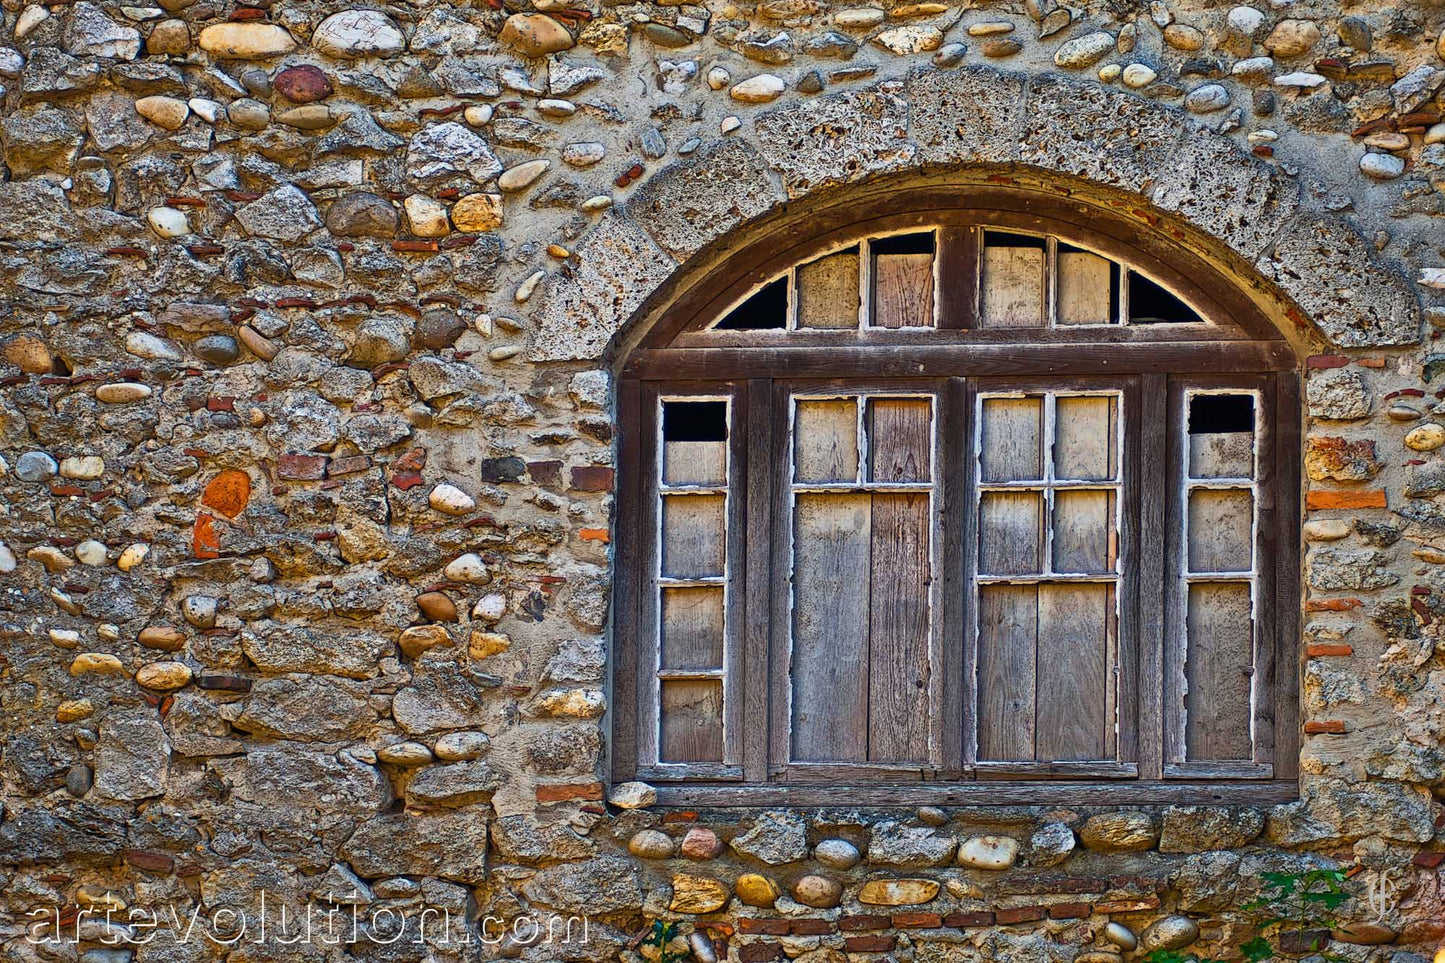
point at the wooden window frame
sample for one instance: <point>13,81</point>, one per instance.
<point>1152,366</point>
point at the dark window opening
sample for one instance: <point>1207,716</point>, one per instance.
<point>695,421</point>
<point>1221,413</point>
<point>767,309</point>
<point>1004,239</point>
<point>920,243</point>
<point>1151,304</point>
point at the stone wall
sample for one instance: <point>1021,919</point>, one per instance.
<point>307,458</point>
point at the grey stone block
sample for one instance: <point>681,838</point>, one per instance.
<point>838,139</point>
<point>696,200</point>
<point>966,116</point>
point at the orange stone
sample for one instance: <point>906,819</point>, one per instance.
<point>205,543</point>
<point>594,535</point>
<point>228,492</point>
<point>1330,648</point>
<point>1324,727</point>
<point>1322,500</point>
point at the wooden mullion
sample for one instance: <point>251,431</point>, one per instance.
<point>1175,643</point>
<point>627,529</point>
<point>761,471</point>
<point>735,569</point>
<point>1266,547</point>
<point>955,498</point>
<point>780,614</point>
<point>1153,485</point>
<point>1128,628</point>
<point>958,276</point>
<point>970,506</point>
<point>649,643</point>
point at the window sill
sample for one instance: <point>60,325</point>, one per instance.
<point>991,793</point>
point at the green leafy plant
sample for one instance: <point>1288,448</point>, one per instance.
<point>1291,903</point>
<point>663,938</point>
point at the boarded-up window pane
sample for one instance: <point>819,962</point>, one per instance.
<point>903,281</point>
<point>1011,445</point>
<point>1086,288</point>
<point>1010,533</point>
<point>828,291</point>
<point>692,628</point>
<point>1086,441</point>
<point>694,536</point>
<point>1013,281</point>
<point>1085,540</point>
<point>692,721</point>
<point>825,441</point>
<point>694,442</point>
<point>1008,626</point>
<point>900,439</point>
<point>1221,436</point>
<point>1219,670</point>
<point>832,569</point>
<point>898,664</point>
<point>1221,530</point>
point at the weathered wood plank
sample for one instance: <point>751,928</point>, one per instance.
<point>903,290</point>
<point>1086,438</point>
<point>1011,445</point>
<point>1085,535</point>
<point>1151,418</point>
<point>1075,701</point>
<point>692,721</point>
<point>899,667</point>
<point>827,292</point>
<point>694,536</point>
<point>1007,669</point>
<point>1221,530</point>
<point>1085,288</point>
<point>1013,287</point>
<point>758,578</point>
<point>1010,533</point>
<point>1052,793</point>
<point>900,439</point>
<point>692,628</point>
<point>825,440</point>
<point>1218,668</point>
<point>831,572</point>
<point>695,462</point>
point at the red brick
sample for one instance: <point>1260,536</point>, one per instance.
<point>812,928</point>
<point>349,465</point>
<point>1371,362</point>
<point>1019,914</point>
<point>679,816</point>
<point>758,952</point>
<point>548,474</point>
<point>295,467</point>
<point>1374,498</point>
<point>914,921</point>
<point>1323,727</point>
<point>870,944</point>
<point>962,920</point>
<point>1330,648</point>
<point>161,863</point>
<point>763,927</point>
<point>592,478</point>
<point>855,923</point>
<point>1069,911</point>
<point>1332,605</point>
<point>1326,361</point>
<point>1429,860</point>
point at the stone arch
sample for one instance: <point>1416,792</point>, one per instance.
<point>1313,272</point>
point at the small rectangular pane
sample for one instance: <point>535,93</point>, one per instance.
<point>692,720</point>
<point>694,442</point>
<point>903,281</point>
<point>1085,536</point>
<point>1221,436</point>
<point>1219,671</point>
<point>825,441</point>
<point>692,628</point>
<point>1011,443</point>
<point>900,439</point>
<point>828,291</point>
<point>1010,533</point>
<point>1013,281</point>
<point>1086,288</point>
<point>694,535</point>
<point>1086,440</point>
<point>1221,530</point>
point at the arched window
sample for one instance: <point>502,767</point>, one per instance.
<point>934,500</point>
